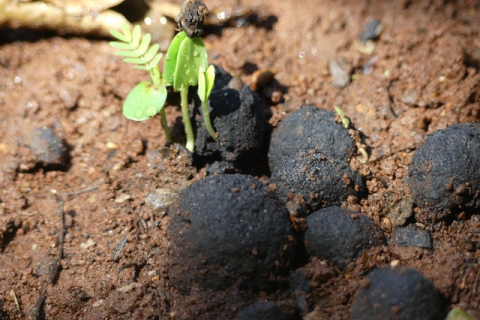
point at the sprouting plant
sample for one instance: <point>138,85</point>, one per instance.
<point>346,123</point>
<point>343,117</point>
<point>185,65</point>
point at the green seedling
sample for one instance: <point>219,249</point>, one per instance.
<point>346,123</point>
<point>186,64</point>
<point>343,117</point>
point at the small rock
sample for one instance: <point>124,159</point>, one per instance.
<point>47,147</point>
<point>267,310</point>
<point>398,210</point>
<point>127,287</point>
<point>411,236</point>
<point>98,303</point>
<point>410,96</point>
<point>334,235</point>
<point>340,73</point>
<point>69,97</point>
<point>88,244</point>
<point>111,145</point>
<point>397,293</point>
<point>371,31</point>
<point>160,200</point>
<point>123,197</point>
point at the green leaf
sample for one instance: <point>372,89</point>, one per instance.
<point>120,45</point>
<point>144,101</point>
<point>201,91</point>
<point>191,56</point>
<point>136,36</point>
<point>206,80</point>
<point>129,54</point>
<point>151,52</point>
<point>119,36</point>
<point>135,60</point>
<point>143,47</point>
<point>126,32</point>
<point>210,80</point>
<point>171,59</point>
<point>156,60</point>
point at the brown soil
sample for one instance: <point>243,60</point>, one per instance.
<point>426,77</point>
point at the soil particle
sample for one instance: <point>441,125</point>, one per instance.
<point>312,181</point>
<point>340,72</point>
<point>397,293</point>
<point>412,236</point>
<point>47,147</point>
<point>371,31</point>
<point>310,128</point>
<point>445,172</point>
<point>339,235</point>
<point>228,229</point>
<point>234,105</point>
<point>267,310</point>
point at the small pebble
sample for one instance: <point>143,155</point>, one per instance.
<point>340,73</point>
<point>411,236</point>
<point>47,146</point>
<point>160,200</point>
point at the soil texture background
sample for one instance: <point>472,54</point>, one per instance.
<point>83,227</point>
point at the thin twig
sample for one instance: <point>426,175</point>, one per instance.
<point>75,193</point>
<point>36,311</point>
<point>17,304</point>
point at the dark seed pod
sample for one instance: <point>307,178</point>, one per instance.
<point>191,17</point>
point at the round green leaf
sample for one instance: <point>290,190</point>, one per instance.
<point>144,101</point>
<point>191,56</point>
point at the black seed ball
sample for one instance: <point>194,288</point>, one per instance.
<point>238,117</point>
<point>310,128</point>
<point>445,172</point>
<point>319,180</point>
<point>398,293</point>
<point>267,310</point>
<point>339,235</point>
<point>228,229</point>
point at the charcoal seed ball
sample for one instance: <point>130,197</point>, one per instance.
<point>267,310</point>
<point>339,235</point>
<point>445,172</point>
<point>228,229</point>
<point>397,293</point>
<point>316,179</point>
<point>310,128</point>
<point>237,114</point>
